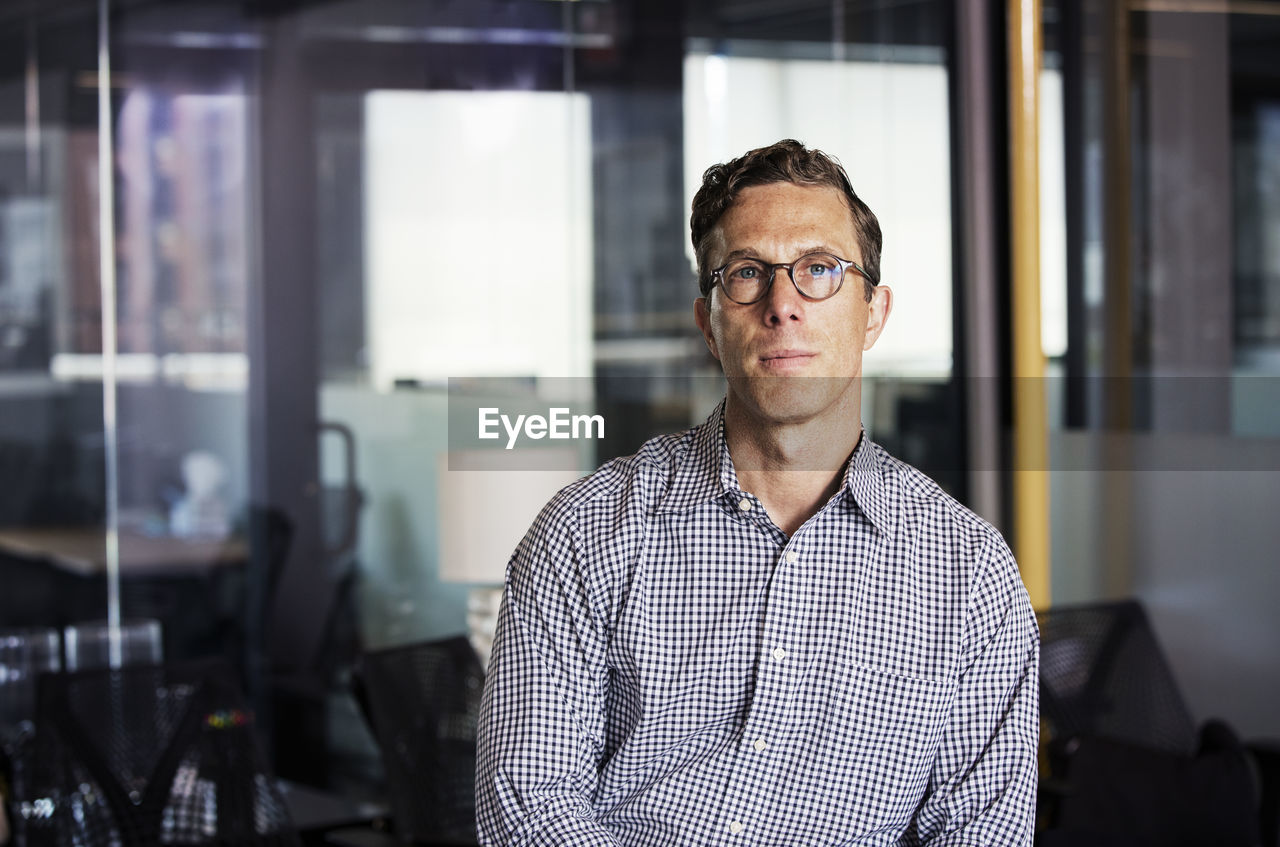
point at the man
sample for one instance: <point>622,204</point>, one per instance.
<point>765,630</point>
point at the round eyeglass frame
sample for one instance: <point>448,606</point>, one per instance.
<point>717,276</point>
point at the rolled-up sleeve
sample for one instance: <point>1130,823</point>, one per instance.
<point>983,784</point>
<point>541,733</point>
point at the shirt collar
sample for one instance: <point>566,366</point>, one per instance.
<point>865,480</point>
<point>705,472</point>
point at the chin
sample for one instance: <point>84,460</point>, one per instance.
<point>795,399</point>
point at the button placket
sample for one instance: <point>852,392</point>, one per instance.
<point>765,725</point>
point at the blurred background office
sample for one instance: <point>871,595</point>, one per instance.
<point>255,256</point>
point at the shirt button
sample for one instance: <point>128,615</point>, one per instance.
<point>735,827</point>
<point>779,654</point>
<point>744,504</point>
<point>759,744</point>
<point>791,557</point>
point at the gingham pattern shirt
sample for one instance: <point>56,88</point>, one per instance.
<point>670,668</point>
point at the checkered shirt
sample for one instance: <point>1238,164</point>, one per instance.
<point>671,669</point>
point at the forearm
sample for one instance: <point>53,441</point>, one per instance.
<point>983,788</point>
<point>541,720</point>
<point>534,773</point>
<point>557,820</point>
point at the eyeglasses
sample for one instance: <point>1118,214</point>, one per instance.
<point>816,276</point>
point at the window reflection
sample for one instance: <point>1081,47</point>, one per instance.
<point>477,235</point>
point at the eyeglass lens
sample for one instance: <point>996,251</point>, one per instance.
<point>817,275</point>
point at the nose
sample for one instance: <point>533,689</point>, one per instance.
<point>783,301</point>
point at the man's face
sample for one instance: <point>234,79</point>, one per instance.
<point>788,359</point>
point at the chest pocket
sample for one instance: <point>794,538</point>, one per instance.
<point>875,734</point>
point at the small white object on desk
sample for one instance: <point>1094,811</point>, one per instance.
<point>202,511</point>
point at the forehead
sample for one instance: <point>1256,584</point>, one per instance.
<point>779,218</point>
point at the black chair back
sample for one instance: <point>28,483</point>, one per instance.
<point>1127,764</point>
<point>1102,674</point>
<point>146,755</point>
<point>423,703</point>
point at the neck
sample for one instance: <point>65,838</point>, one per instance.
<point>794,468</point>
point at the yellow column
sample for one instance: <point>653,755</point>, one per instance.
<point>1030,417</point>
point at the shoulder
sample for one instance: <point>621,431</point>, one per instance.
<point>922,506</point>
<point>592,530</point>
<point>625,483</point>
<point>959,546</point>
<point>972,557</point>
<point>943,576</point>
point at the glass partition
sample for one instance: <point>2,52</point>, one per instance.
<point>1167,439</point>
<point>336,224</point>
<point>53,455</point>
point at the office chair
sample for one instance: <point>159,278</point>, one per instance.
<point>146,755</point>
<point>1127,763</point>
<point>1103,674</point>
<point>423,701</point>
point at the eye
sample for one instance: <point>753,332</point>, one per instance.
<point>745,272</point>
<point>820,266</point>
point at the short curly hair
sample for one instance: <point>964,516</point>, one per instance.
<point>784,161</point>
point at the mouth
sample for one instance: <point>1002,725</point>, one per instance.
<point>784,360</point>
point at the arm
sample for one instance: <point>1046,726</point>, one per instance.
<point>541,732</point>
<point>982,789</point>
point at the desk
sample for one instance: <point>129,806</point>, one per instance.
<point>196,588</point>
<point>83,551</point>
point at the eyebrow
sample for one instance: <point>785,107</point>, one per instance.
<point>751,253</point>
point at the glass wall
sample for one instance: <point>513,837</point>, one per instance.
<point>51,426</point>
<point>242,355</point>
<point>1168,455</point>
<point>237,366</point>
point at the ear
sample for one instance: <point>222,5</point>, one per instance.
<point>702,317</point>
<point>877,314</point>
